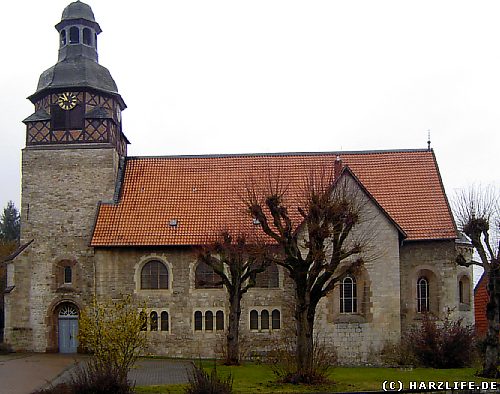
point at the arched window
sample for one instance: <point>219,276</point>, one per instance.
<point>74,35</point>
<point>264,320</point>
<point>254,320</point>
<point>276,319</point>
<point>164,321</point>
<point>153,318</point>
<point>144,321</point>
<point>348,295</point>
<point>219,321</point>
<point>206,278</point>
<point>68,275</point>
<point>63,38</point>
<point>87,36</point>
<point>209,321</point>
<point>422,295</point>
<point>269,278</point>
<point>198,321</point>
<point>154,275</point>
<point>464,290</point>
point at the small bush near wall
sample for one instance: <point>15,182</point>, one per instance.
<point>447,344</point>
<point>201,382</point>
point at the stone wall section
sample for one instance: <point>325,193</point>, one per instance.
<point>60,191</point>
<point>436,261</point>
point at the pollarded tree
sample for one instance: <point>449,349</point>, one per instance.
<point>478,217</point>
<point>320,240</point>
<point>10,226</point>
<point>236,262</point>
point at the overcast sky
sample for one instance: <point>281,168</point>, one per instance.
<point>275,76</point>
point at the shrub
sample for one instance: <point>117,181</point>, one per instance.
<point>95,378</point>
<point>449,344</point>
<point>284,363</point>
<point>202,382</point>
<point>398,354</point>
<point>111,331</point>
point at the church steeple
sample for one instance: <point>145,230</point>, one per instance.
<point>77,100</point>
<point>78,32</point>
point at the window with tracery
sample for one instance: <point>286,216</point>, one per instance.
<point>269,278</point>
<point>154,275</point>
<point>422,295</point>
<point>206,278</point>
<point>348,295</point>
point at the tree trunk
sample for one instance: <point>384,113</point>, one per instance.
<point>304,347</point>
<point>490,364</point>
<point>233,343</point>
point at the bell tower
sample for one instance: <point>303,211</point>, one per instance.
<point>74,150</point>
<point>76,101</point>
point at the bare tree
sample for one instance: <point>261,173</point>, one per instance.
<point>477,213</point>
<point>317,242</point>
<point>243,261</point>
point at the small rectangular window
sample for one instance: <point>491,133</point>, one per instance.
<point>68,275</point>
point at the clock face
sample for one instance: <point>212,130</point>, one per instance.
<point>67,100</point>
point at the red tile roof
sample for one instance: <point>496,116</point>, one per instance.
<point>204,194</point>
<point>480,302</point>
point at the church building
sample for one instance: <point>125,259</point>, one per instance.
<point>97,222</point>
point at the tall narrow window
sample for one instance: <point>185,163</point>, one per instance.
<point>63,38</point>
<point>219,321</point>
<point>348,295</point>
<point>461,291</point>
<point>422,295</point>
<point>74,35</point>
<point>87,36</point>
<point>198,321</point>
<point>153,318</point>
<point>209,321</point>
<point>144,321</point>
<point>264,320</point>
<point>68,275</point>
<point>164,321</point>
<point>154,275</point>
<point>276,319</point>
<point>206,278</point>
<point>254,320</point>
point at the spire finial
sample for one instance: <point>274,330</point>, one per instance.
<point>428,139</point>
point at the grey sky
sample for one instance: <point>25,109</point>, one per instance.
<point>273,76</point>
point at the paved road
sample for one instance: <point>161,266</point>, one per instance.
<point>25,373</point>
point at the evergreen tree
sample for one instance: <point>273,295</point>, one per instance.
<point>10,226</point>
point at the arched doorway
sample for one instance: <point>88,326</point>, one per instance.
<point>68,328</point>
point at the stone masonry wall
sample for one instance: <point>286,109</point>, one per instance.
<point>60,191</point>
<point>355,336</point>
<point>436,261</point>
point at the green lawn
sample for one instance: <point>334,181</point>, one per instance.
<point>251,378</point>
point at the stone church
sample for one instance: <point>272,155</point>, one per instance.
<point>98,222</point>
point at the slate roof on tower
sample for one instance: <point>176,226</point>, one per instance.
<point>204,194</point>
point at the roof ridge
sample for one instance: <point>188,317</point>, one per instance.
<point>278,154</point>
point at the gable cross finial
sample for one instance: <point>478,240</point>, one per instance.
<point>428,139</point>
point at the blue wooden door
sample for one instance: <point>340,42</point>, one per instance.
<point>68,335</point>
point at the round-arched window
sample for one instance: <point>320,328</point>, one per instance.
<point>154,275</point>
